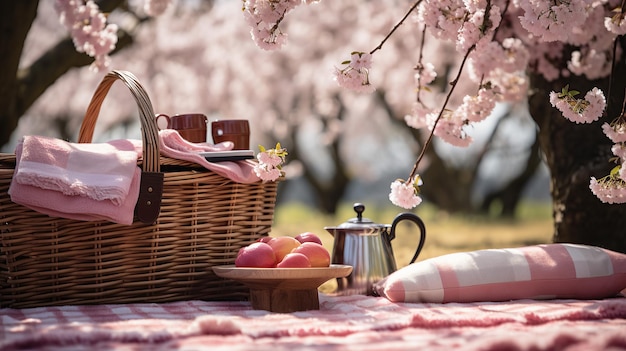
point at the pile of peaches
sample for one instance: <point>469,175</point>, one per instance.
<point>303,251</point>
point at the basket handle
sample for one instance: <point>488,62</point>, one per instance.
<point>151,189</point>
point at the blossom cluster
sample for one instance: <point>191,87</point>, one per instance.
<point>264,17</point>
<point>498,62</point>
<point>495,67</point>
<point>493,37</point>
<point>406,194</point>
<point>355,73</point>
<point>89,29</point>
<point>612,188</point>
<point>269,167</point>
<point>616,24</point>
<point>585,110</point>
<point>554,20</point>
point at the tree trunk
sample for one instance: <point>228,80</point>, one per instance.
<point>510,195</point>
<point>574,153</point>
<point>328,193</point>
<point>16,18</point>
<point>19,89</point>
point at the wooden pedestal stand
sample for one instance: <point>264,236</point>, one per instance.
<point>283,290</point>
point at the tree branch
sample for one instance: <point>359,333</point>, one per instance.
<point>20,88</point>
<point>35,79</point>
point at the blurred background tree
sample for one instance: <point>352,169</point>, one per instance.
<point>178,45</point>
<point>198,57</point>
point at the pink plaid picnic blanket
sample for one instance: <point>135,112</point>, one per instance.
<point>342,323</point>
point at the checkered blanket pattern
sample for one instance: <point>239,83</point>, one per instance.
<point>342,323</point>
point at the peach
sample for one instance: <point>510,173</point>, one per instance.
<point>294,260</point>
<point>317,254</point>
<point>264,239</point>
<point>308,237</point>
<point>258,254</point>
<point>282,245</point>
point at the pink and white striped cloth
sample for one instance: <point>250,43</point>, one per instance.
<point>547,271</point>
<point>342,323</point>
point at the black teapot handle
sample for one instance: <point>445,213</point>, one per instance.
<point>415,219</point>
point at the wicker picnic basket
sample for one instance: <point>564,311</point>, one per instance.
<point>199,220</point>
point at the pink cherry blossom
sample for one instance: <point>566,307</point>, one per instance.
<point>585,110</point>
<point>481,60</point>
<point>615,131</point>
<point>264,17</point>
<point>477,108</point>
<point>552,21</point>
<point>89,30</point>
<point>426,74</point>
<point>355,75</point>
<point>609,190</point>
<point>360,60</point>
<point>616,24</point>
<point>451,129</point>
<point>422,117</point>
<point>405,194</point>
<point>476,27</point>
<point>543,54</point>
<point>512,87</point>
<point>267,173</point>
<point>270,161</point>
<point>498,64</point>
<point>516,55</point>
<point>593,64</point>
<point>619,150</point>
<point>443,18</point>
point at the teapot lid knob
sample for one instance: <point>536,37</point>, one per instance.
<point>359,208</point>
<point>357,223</point>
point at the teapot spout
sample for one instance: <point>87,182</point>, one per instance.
<point>331,230</point>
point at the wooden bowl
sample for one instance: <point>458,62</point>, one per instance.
<point>283,289</point>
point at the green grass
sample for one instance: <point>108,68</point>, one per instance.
<point>445,233</point>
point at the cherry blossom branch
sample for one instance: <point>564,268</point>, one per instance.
<point>445,103</point>
<point>443,108</point>
<point>506,9</point>
<point>420,65</point>
<point>355,76</point>
<point>613,64</point>
<point>264,20</point>
<point>406,15</point>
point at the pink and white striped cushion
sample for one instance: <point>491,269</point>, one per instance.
<point>534,272</point>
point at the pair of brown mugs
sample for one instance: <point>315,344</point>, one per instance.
<point>193,127</point>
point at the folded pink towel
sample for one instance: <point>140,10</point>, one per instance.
<point>82,208</point>
<point>92,182</point>
<point>101,171</point>
<point>174,146</point>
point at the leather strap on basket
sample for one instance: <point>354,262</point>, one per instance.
<point>150,193</point>
<point>151,189</point>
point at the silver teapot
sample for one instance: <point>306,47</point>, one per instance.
<point>366,246</point>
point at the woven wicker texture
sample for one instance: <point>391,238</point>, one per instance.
<point>204,220</point>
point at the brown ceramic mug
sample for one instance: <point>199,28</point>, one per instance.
<point>191,126</point>
<point>235,130</point>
